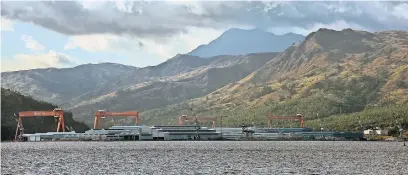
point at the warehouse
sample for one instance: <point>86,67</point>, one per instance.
<point>184,133</point>
<point>135,132</point>
<point>172,132</point>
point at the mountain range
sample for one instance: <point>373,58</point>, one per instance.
<point>241,42</point>
<point>329,73</point>
<point>87,88</point>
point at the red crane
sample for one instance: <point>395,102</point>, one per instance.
<point>297,117</point>
<point>184,118</point>
<point>57,113</point>
<point>103,114</point>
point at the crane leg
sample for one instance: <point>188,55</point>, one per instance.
<point>179,121</point>
<point>62,123</point>
<point>96,122</point>
<point>59,124</point>
<point>17,128</point>
<point>137,120</point>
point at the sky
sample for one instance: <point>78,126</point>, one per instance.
<point>42,34</point>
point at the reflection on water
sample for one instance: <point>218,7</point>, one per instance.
<point>204,158</point>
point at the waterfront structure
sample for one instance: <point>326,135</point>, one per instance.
<point>380,132</point>
<point>183,132</point>
<point>192,132</point>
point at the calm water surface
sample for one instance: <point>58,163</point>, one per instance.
<point>204,158</point>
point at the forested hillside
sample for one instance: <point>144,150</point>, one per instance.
<point>13,102</point>
<point>332,74</point>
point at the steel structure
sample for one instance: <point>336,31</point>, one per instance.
<point>104,113</point>
<point>184,118</point>
<point>297,117</point>
<point>57,113</point>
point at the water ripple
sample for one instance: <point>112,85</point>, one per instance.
<point>204,157</point>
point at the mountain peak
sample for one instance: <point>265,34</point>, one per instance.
<point>347,31</point>
<point>101,64</point>
<point>237,41</point>
<point>344,41</point>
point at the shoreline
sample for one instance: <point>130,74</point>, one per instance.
<point>210,141</point>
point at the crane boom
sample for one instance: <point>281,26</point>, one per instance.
<point>103,113</point>
<point>184,118</point>
<point>58,113</point>
<point>297,117</point>
<point>39,113</point>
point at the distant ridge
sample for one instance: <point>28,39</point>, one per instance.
<point>241,42</point>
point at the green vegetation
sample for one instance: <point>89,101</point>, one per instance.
<point>389,116</point>
<point>329,116</point>
<point>336,103</point>
<point>13,102</point>
<point>337,97</point>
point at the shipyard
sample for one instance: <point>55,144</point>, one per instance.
<point>187,128</point>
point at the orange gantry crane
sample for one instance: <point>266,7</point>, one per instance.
<point>297,117</point>
<point>184,118</point>
<point>57,113</point>
<point>104,113</point>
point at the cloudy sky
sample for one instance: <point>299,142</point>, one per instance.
<point>141,33</point>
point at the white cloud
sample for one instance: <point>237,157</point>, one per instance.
<point>182,43</point>
<point>34,61</point>
<point>6,25</point>
<point>336,25</point>
<point>103,42</point>
<point>161,20</point>
<point>32,44</point>
<point>92,5</point>
<point>401,11</point>
<point>132,46</point>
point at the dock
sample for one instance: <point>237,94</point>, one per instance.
<point>191,132</point>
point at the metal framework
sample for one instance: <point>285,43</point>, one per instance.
<point>184,118</point>
<point>57,113</point>
<point>297,117</point>
<point>103,114</point>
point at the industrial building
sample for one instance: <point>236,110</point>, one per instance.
<point>175,132</point>
<point>286,134</point>
<point>171,133</point>
<point>184,133</point>
<point>124,133</point>
<point>381,132</point>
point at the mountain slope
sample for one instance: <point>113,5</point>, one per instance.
<point>241,42</point>
<point>12,102</point>
<point>61,85</point>
<point>329,73</point>
<point>195,83</point>
<point>87,88</point>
